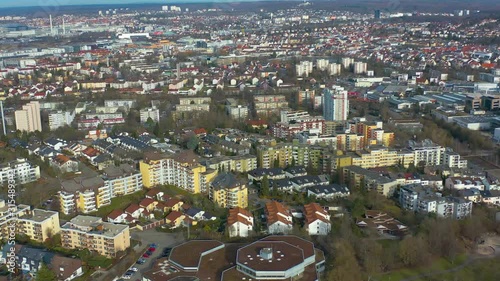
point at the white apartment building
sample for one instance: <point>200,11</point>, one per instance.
<point>60,119</point>
<point>28,118</point>
<point>427,152</point>
<point>334,69</point>
<point>347,62</point>
<point>20,170</point>
<point>360,67</point>
<point>335,104</point>
<point>304,68</point>
<point>453,160</point>
<point>422,200</point>
<point>147,113</point>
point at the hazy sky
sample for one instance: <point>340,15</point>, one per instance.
<point>53,3</point>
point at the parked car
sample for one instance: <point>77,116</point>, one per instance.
<point>152,249</point>
<point>141,261</point>
<point>146,255</point>
<point>134,269</point>
<point>153,245</point>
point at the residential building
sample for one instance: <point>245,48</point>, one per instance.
<point>28,118</point>
<point>359,67</point>
<point>357,178</point>
<point>419,199</point>
<point>20,170</point>
<point>150,112</point>
<point>279,218</point>
<point>86,194</point>
<point>453,160</point>
<point>239,222</point>
<point>238,163</point>
<point>328,192</point>
<point>335,104</point>
<point>192,105</point>
<point>39,225</point>
<point>63,163</point>
<point>228,192</point>
<point>306,98</point>
<point>427,153</point>
<point>271,174</point>
<point>266,105</point>
<point>317,220</point>
<point>60,119</point>
<point>182,169</point>
<point>236,110</point>
<point>382,223</point>
<point>29,261</point>
<point>104,238</point>
<point>304,68</point>
<point>460,183</point>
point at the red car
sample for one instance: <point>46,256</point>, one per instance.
<point>151,249</point>
<point>145,255</point>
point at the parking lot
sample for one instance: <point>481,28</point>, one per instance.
<point>161,239</point>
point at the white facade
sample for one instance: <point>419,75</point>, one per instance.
<point>360,67</point>
<point>60,119</point>
<point>20,170</point>
<point>304,68</point>
<point>428,153</point>
<point>335,104</point>
<point>279,227</point>
<point>240,229</point>
<point>28,118</point>
<point>453,160</point>
<point>147,113</point>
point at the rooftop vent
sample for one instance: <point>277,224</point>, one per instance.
<point>266,253</point>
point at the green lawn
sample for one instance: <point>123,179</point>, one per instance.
<point>439,264</point>
<point>119,203</point>
<point>483,270</point>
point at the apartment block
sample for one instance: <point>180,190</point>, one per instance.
<point>28,118</point>
<point>427,152</point>
<point>86,232</point>
<point>238,163</point>
<point>335,104</point>
<point>189,106</point>
<point>38,224</point>
<point>236,110</point>
<point>182,169</point>
<point>147,113</point>
<point>228,192</point>
<point>423,200</point>
<point>60,119</point>
<point>266,105</point>
<point>86,194</point>
<point>359,178</point>
<point>21,170</point>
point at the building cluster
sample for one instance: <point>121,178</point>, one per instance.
<point>81,232</point>
<point>273,257</point>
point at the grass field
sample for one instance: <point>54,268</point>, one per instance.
<point>438,265</point>
<point>119,203</point>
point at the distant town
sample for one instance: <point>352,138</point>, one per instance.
<point>304,140</point>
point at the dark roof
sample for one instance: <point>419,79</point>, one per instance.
<point>296,170</point>
<point>189,253</point>
<point>281,183</point>
<point>225,180</point>
<point>304,180</point>
<point>331,188</point>
<point>260,172</point>
<point>192,211</point>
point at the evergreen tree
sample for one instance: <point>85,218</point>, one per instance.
<point>45,274</point>
<point>264,186</point>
